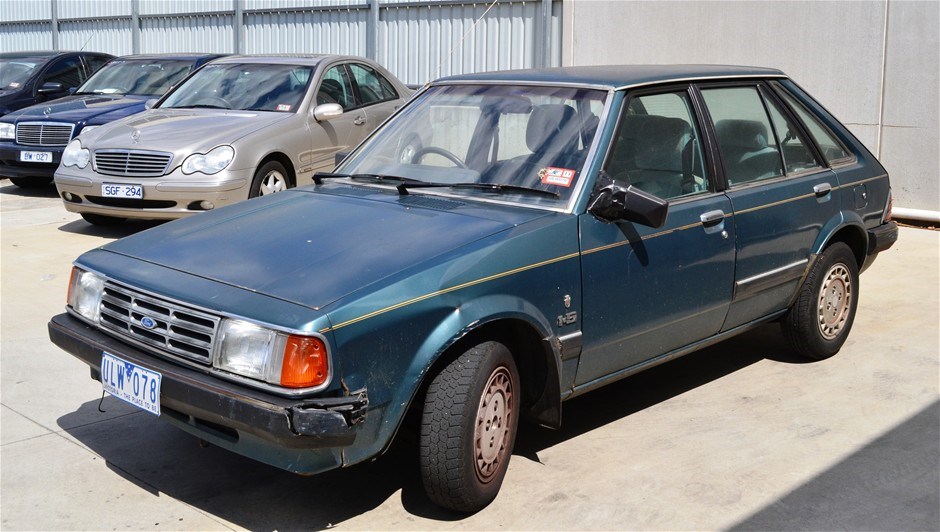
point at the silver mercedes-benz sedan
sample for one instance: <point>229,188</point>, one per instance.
<point>240,127</point>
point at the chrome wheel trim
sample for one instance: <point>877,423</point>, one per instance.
<point>491,432</point>
<point>272,182</point>
<point>834,302</point>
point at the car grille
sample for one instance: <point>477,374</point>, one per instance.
<point>43,133</point>
<point>135,163</point>
<point>171,327</point>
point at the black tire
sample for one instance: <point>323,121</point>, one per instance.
<point>468,428</point>
<point>31,182</point>
<point>100,219</point>
<point>819,321</point>
<point>270,177</point>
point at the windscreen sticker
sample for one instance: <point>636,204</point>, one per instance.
<point>561,177</point>
<point>283,107</point>
<point>14,84</point>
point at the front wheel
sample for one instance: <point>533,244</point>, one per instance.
<point>271,177</point>
<point>468,428</point>
<point>819,321</point>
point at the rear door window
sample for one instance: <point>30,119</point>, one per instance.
<point>833,150</point>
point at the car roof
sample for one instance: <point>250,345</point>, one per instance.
<point>180,56</point>
<point>285,59</point>
<point>616,76</point>
<point>38,53</point>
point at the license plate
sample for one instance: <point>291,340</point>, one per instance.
<point>130,382</point>
<point>36,156</point>
<point>114,190</point>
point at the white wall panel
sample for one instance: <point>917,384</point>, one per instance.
<point>17,37</point>
<point>72,9</point>
<point>176,7</point>
<point>106,35</point>
<point>186,34</point>
<point>14,11</point>
<point>274,5</point>
<point>317,32</point>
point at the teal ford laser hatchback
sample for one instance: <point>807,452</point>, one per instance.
<point>503,243</point>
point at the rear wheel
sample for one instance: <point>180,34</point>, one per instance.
<point>468,428</point>
<point>100,219</point>
<point>270,178</point>
<point>820,320</point>
<point>31,182</point>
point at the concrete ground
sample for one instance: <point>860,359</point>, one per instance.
<point>739,436</point>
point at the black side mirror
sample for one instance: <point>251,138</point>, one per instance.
<point>51,87</point>
<point>340,155</point>
<point>614,202</point>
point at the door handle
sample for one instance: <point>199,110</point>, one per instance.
<point>359,120</point>
<point>712,217</point>
<point>822,189</point>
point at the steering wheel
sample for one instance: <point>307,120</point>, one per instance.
<point>216,101</point>
<point>421,152</point>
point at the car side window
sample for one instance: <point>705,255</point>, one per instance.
<point>68,72</point>
<point>832,149</point>
<point>657,147</point>
<point>797,156</point>
<point>372,86</point>
<point>745,134</point>
<point>95,62</point>
<point>336,88</point>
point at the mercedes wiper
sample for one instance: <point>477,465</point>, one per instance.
<point>489,187</point>
<point>320,176</point>
<point>199,106</point>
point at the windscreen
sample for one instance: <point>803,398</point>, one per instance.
<point>15,71</point>
<point>530,138</point>
<point>151,77</point>
<point>245,87</point>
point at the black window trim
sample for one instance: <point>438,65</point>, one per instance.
<point>779,90</point>
<point>707,148</point>
<point>355,83</point>
<point>768,94</point>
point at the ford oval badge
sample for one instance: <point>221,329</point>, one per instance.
<point>148,323</point>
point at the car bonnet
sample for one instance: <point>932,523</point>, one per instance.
<point>181,130</point>
<point>76,108</point>
<point>309,248</point>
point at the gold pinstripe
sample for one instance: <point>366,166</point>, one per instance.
<point>566,257</point>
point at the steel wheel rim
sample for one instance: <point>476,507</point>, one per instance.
<point>834,302</point>
<point>491,432</point>
<point>272,182</point>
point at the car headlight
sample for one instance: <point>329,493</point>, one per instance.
<point>86,129</point>
<point>85,289</point>
<point>75,155</point>
<point>281,359</point>
<point>7,131</point>
<point>209,163</point>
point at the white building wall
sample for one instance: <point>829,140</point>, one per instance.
<point>873,64</point>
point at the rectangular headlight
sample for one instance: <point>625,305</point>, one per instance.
<point>85,289</point>
<point>277,358</point>
<point>7,131</point>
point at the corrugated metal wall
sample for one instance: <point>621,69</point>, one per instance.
<point>417,40</point>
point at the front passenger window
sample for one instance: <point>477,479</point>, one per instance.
<point>68,72</point>
<point>657,147</point>
<point>336,88</point>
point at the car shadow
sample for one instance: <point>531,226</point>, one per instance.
<point>6,187</point>
<point>118,230</point>
<point>161,459</point>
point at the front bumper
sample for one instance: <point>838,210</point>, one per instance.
<point>11,166</point>
<point>165,198</point>
<point>299,435</point>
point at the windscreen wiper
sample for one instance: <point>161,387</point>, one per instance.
<point>489,187</point>
<point>320,176</point>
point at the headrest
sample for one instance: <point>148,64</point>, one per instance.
<point>749,135</point>
<point>658,140</point>
<point>552,123</point>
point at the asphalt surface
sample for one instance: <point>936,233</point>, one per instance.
<point>739,436</point>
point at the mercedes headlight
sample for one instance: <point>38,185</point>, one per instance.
<point>7,131</point>
<point>209,163</point>
<point>85,289</point>
<point>75,155</point>
<point>278,358</point>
